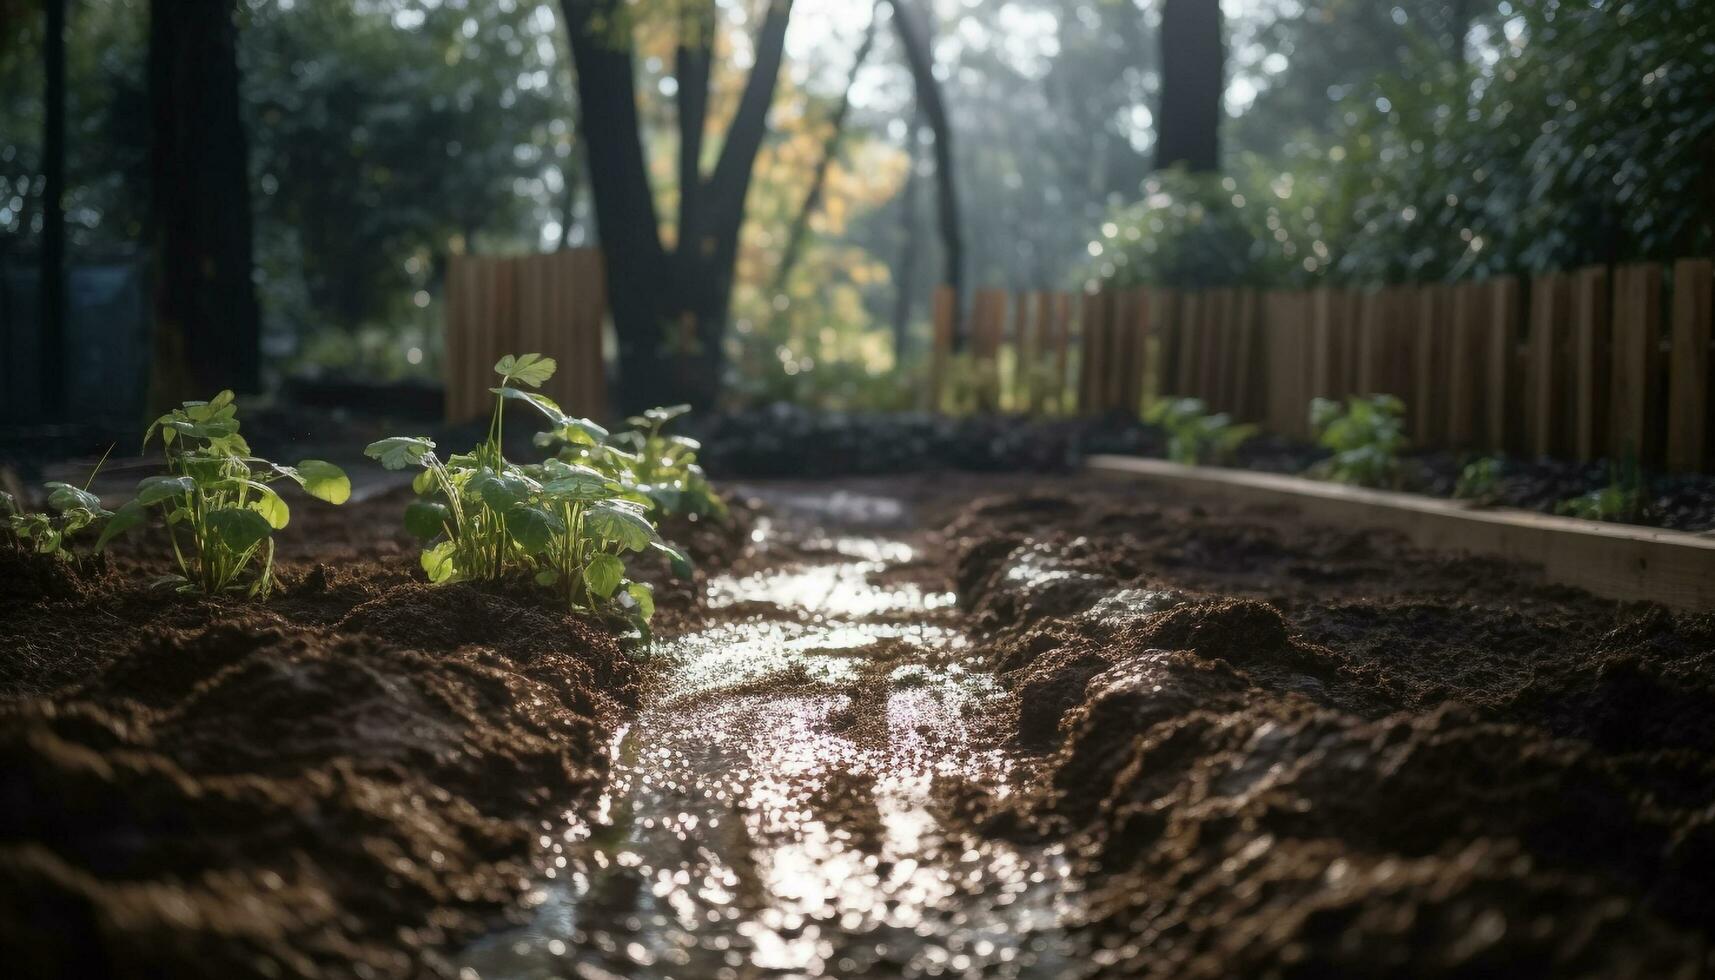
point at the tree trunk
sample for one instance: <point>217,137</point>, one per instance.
<point>207,327</point>
<point>905,273</point>
<point>53,258</point>
<point>914,37</point>
<point>669,307</point>
<point>1193,80</point>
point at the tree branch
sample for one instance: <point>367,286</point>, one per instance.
<point>731,179</point>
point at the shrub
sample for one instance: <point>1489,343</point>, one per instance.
<point>1366,436</point>
<point>1193,434</point>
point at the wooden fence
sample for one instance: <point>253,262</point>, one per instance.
<point>554,304</point>
<point>1595,362</point>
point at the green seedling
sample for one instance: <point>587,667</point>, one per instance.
<point>1479,480</point>
<point>71,511</point>
<point>1622,500</point>
<point>566,522</point>
<point>1366,436</point>
<point>1194,435</point>
<point>216,500</point>
<point>665,467</point>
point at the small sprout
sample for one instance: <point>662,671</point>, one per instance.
<point>1193,434</point>
<point>1366,436</point>
<point>71,511</point>
<point>1622,500</point>
<point>1479,480</point>
<point>216,500</point>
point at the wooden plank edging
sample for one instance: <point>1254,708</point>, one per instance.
<point>1615,561</point>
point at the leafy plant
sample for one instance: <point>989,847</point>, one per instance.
<point>1193,434</point>
<point>1366,436</point>
<point>565,521</point>
<point>216,500</point>
<point>664,468</point>
<point>71,510</point>
<point>1479,480</point>
<point>1622,500</point>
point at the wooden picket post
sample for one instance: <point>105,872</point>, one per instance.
<point>1062,351</point>
<point>1501,402</point>
<point>1688,383</point>
<point>1589,373</point>
<point>1546,386</point>
<point>1465,365</point>
<point>1428,402</point>
<point>941,313</point>
<point>1186,331</point>
<point>1636,327</point>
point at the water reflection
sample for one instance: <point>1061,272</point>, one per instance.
<point>771,811</point>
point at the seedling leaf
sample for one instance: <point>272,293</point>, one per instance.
<point>438,563</point>
<point>324,481</point>
<point>155,489</point>
<point>426,518</point>
<point>398,452</point>
<point>616,522</point>
<point>529,369</point>
<point>240,529</point>
<point>533,528</point>
<point>604,574</point>
<point>63,497</point>
<point>124,519</point>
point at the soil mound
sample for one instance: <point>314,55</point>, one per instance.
<point>1343,757</point>
<point>252,799</point>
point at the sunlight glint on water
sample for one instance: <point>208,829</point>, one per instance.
<point>769,813</point>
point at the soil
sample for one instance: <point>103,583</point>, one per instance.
<point>344,781</point>
<point>942,724</point>
<point>1292,751</point>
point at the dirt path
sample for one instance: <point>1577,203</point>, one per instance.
<point>772,809</point>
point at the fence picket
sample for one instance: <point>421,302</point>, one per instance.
<point>1636,327</point>
<point>1688,384</point>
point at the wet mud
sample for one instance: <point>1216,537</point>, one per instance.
<point>1279,750</point>
<point>345,781</point>
<point>907,726</point>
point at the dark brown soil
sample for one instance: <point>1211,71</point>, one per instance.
<point>1278,750</point>
<point>337,783</point>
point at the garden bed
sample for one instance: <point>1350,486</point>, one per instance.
<point>342,781</point>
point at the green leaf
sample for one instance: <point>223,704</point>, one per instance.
<point>613,521</point>
<point>542,403</point>
<point>424,482</point>
<point>155,489</point>
<point>324,481</point>
<point>547,577</point>
<point>666,413</point>
<point>438,563</point>
<point>529,369</point>
<point>572,482</point>
<point>270,506</point>
<point>426,518</point>
<point>533,528</point>
<point>398,452</point>
<point>63,497</point>
<point>500,490</point>
<point>604,573</point>
<point>239,528</point>
<point>123,519</point>
<point>643,598</point>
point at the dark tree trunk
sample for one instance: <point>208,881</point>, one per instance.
<point>669,306</point>
<point>1193,79</point>
<point>53,258</point>
<point>913,28</point>
<point>207,327</point>
<point>905,272</point>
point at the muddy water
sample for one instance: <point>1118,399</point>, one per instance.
<point>771,810</point>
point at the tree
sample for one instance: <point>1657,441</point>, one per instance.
<point>1193,80</point>
<point>669,304</point>
<point>207,332</point>
<point>53,257</point>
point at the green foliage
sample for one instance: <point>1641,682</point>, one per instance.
<point>1622,500</point>
<point>1366,436</point>
<point>1582,134</point>
<point>665,468</point>
<point>568,521</point>
<point>1193,434</point>
<point>71,511</point>
<point>1479,480</point>
<point>216,500</point>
